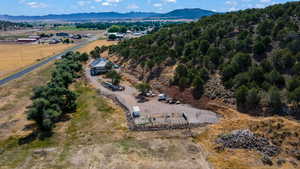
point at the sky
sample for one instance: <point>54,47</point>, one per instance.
<point>44,7</point>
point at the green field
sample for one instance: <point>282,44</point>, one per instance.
<point>70,28</point>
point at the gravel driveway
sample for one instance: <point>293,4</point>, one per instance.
<point>154,107</point>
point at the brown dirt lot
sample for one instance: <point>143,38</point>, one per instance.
<point>16,57</point>
<point>92,45</point>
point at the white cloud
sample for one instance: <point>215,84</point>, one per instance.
<point>113,1</point>
<point>265,1</point>
<point>171,1</point>
<point>36,4</point>
<point>133,6</point>
<point>232,9</point>
<point>231,3</point>
<point>157,5</point>
<point>108,2</point>
<point>83,3</point>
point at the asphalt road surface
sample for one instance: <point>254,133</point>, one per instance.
<point>33,67</point>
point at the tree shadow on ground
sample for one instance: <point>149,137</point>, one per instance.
<point>41,135</point>
<point>65,118</point>
<point>260,111</point>
<point>197,93</point>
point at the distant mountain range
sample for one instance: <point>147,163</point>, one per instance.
<point>188,13</point>
<point>176,14</point>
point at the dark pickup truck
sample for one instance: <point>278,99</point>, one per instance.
<point>112,87</point>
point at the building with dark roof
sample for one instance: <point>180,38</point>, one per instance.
<point>99,66</point>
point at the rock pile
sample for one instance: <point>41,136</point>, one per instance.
<point>214,89</point>
<point>245,139</point>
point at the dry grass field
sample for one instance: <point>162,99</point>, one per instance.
<point>242,158</point>
<point>100,43</point>
<point>15,97</point>
<point>16,57</point>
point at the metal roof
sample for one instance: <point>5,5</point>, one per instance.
<point>101,62</point>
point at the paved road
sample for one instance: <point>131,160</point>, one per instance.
<point>33,67</point>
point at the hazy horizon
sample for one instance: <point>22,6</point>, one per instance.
<point>46,7</point>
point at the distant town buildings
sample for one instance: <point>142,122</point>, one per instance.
<point>51,38</point>
<point>128,35</point>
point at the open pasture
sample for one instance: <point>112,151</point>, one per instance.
<point>15,57</point>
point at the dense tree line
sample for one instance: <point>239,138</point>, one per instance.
<point>5,25</point>
<point>123,26</point>
<point>256,52</point>
<point>53,100</point>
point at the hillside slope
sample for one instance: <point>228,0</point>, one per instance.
<point>255,52</point>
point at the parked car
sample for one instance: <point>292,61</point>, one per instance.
<point>141,99</point>
<point>150,94</point>
<point>172,101</point>
<point>162,97</point>
<point>112,87</point>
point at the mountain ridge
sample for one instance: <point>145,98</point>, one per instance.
<point>193,13</point>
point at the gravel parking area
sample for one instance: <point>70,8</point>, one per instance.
<point>154,108</point>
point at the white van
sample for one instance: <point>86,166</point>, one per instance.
<point>136,112</point>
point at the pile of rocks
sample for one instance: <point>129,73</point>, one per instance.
<point>214,89</point>
<point>245,139</point>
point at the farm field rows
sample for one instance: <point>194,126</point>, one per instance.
<point>15,57</point>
